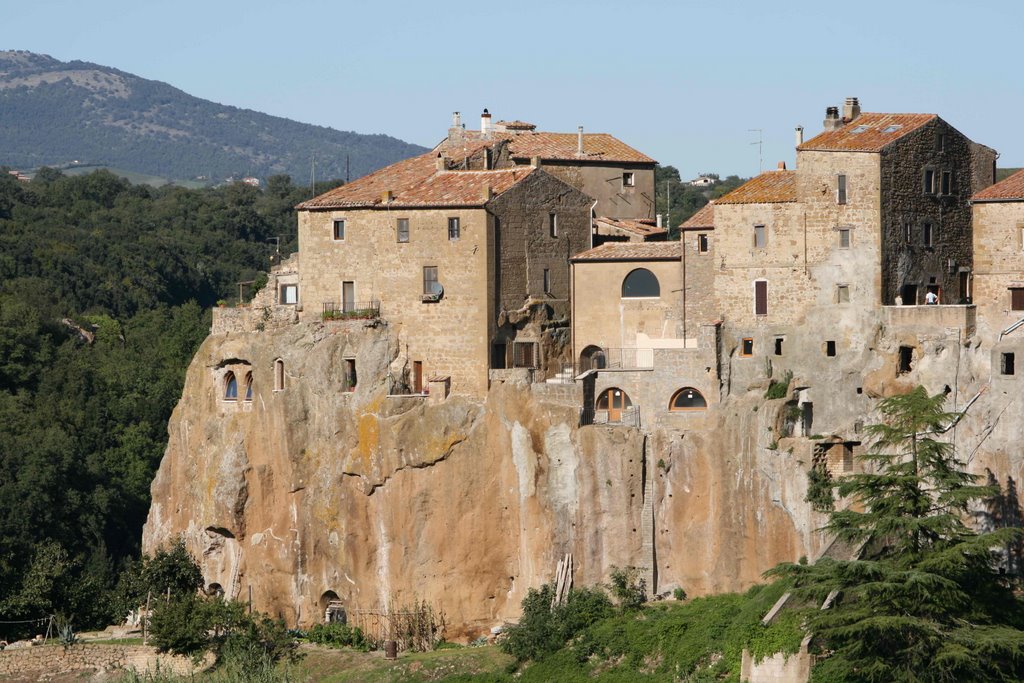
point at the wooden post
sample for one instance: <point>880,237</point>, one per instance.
<point>250,598</point>
<point>145,618</point>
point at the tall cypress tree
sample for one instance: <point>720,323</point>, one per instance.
<point>927,602</point>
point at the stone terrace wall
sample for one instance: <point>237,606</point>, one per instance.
<point>252,319</point>
<point>54,659</point>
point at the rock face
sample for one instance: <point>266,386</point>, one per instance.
<point>314,493</point>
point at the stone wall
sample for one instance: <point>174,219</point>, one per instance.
<point>449,336</point>
<point>603,182</point>
<point>905,202</point>
<point>998,261</point>
<point>52,660</point>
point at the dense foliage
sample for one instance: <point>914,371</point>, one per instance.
<point>680,200</point>
<point>103,291</point>
<point>99,115</point>
<point>928,602</point>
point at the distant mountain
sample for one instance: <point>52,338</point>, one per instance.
<point>53,113</point>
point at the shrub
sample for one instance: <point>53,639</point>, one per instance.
<point>544,628</point>
<point>337,636</point>
<point>628,587</point>
<point>779,389</point>
<point>679,593</point>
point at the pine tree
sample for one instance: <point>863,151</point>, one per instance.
<point>927,602</point>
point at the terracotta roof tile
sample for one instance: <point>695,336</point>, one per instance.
<point>638,226</point>
<point>867,133</point>
<point>1011,188</point>
<point>771,187</point>
<point>705,218</point>
<point>563,146</point>
<point>633,251</point>
<point>416,182</point>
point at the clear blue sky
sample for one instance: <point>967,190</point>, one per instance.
<point>683,82</point>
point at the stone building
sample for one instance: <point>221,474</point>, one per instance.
<point>999,272</point>
<point>459,263</point>
<point>620,179</point>
<point>628,230</point>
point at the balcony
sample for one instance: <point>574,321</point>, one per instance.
<point>351,310</point>
<point>625,417</point>
<point>941,316</point>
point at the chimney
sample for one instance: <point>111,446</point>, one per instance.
<point>799,135</point>
<point>440,162</point>
<point>851,110</point>
<point>387,196</point>
<point>782,166</point>
<point>832,121</point>
<point>456,120</point>
<point>487,193</point>
<point>659,221</point>
<point>535,162</point>
<point>579,141</point>
<point>485,123</point>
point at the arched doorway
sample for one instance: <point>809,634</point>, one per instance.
<point>615,401</point>
<point>593,358</point>
<point>332,608</point>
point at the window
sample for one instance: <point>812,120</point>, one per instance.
<point>616,398</point>
<point>499,357</point>
<point>946,183</point>
<point>339,229</point>
<point>348,296</point>
<point>278,375</point>
<point>906,360</point>
<point>289,294</point>
<point>524,354</point>
<point>454,230</point>
<point>778,345</point>
<point>628,179</point>
<point>1006,364</point>
<point>688,398</point>
<point>841,189</point>
<point>929,181</point>
<point>842,294</point>
<point>940,142</point>
<point>640,283</point>
<point>350,374</point>
<point>553,224</point>
<point>1021,231</point>
<point>1017,298</point>
<point>908,232</point>
<point>402,230</point>
<point>844,238</point>
<point>702,243</point>
<point>760,237</point>
<point>431,287</point>
<point>928,235</point>
<point>248,386</point>
<point>747,346</point>
<point>830,348</point>
<point>547,281</point>
<point>761,297</point>
<point>230,387</point>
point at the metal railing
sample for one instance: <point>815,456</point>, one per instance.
<point>627,417</point>
<point>351,310</point>
<point>618,359</point>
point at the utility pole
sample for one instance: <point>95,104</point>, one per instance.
<point>346,170</point>
<point>760,148</point>
<point>312,175</point>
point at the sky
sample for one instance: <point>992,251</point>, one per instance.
<point>695,85</point>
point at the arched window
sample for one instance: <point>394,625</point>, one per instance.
<point>593,358</point>
<point>248,386</point>
<point>278,375</point>
<point>688,398</point>
<point>640,283</point>
<point>230,387</point>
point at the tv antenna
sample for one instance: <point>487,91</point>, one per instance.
<point>760,148</point>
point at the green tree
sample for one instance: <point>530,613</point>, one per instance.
<point>927,603</point>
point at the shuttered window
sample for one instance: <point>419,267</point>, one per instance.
<point>1017,299</point>
<point>761,297</point>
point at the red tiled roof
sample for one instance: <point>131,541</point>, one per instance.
<point>638,226</point>
<point>633,251</point>
<point>867,133</point>
<point>1008,189</point>
<point>416,182</point>
<point>563,146</point>
<point>771,187</point>
<point>705,218</point>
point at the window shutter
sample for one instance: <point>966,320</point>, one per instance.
<point>761,297</point>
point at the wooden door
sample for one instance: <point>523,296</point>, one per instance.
<point>348,296</point>
<point>417,376</point>
<point>615,405</point>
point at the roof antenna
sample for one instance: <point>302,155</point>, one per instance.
<point>312,175</point>
<point>760,148</point>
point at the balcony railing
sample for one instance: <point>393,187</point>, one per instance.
<point>351,310</point>
<point>626,417</point>
<point>618,359</point>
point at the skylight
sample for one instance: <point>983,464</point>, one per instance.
<point>892,129</point>
<point>860,129</point>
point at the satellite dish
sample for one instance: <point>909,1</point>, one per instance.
<point>437,289</point>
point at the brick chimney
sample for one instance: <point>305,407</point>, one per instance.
<point>832,120</point>
<point>851,110</point>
